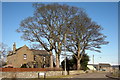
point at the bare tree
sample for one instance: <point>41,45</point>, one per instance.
<point>3,50</point>
<point>36,46</point>
<point>52,24</point>
<point>86,36</point>
<point>48,26</point>
<point>34,32</point>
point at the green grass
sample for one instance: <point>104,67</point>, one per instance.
<point>116,73</point>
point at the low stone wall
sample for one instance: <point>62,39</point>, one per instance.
<point>20,74</point>
<point>35,74</point>
<point>54,73</point>
<point>76,72</point>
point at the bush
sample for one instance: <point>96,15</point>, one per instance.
<point>24,66</point>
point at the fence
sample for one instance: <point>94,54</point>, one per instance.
<point>28,69</point>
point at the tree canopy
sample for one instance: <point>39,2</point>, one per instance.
<point>71,64</point>
<point>52,24</point>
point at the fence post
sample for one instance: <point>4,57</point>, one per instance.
<point>38,76</point>
<point>42,74</point>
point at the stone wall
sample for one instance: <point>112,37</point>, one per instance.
<point>20,74</point>
<point>35,74</point>
<point>73,72</point>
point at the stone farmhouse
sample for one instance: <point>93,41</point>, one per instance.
<point>28,58</point>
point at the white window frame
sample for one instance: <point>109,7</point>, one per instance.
<point>25,56</point>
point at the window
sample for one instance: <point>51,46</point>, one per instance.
<point>25,56</point>
<point>34,57</point>
<point>43,58</point>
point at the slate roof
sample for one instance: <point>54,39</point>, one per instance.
<point>35,52</point>
<point>39,52</point>
<point>104,64</point>
<point>101,64</point>
<point>18,48</point>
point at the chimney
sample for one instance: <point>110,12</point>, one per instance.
<point>14,47</point>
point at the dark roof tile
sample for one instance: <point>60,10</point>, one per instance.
<point>39,52</point>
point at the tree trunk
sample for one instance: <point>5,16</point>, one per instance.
<point>51,60</point>
<point>78,64</point>
<point>57,60</point>
<point>78,55</point>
